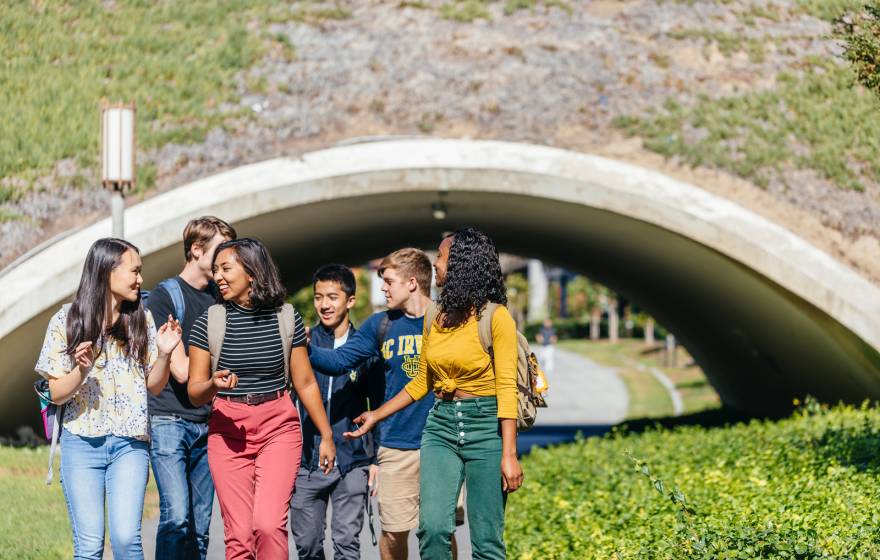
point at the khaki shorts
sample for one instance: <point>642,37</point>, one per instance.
<point>398,495</point>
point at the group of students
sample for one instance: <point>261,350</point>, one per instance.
<point>222,396</point>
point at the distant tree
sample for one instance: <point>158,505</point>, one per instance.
<point>362,309</point>
<point>517,296</point>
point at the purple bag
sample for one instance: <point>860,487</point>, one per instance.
<point>52,417</point>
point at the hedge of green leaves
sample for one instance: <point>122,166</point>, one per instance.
<point>803,487</point>
<point>860,33</point>
<point>579,329</point>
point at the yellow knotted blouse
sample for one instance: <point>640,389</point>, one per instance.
<point>453,358</point>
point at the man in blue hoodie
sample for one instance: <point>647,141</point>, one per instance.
<point>395,336</point>
<point>345,397</point>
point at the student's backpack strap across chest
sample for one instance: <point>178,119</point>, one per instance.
<point>216,332</point>
<point>430,316</point>
<point>382,331</point>
<point>484,326</point>
<point>286,326</point>
<point>171,286</point>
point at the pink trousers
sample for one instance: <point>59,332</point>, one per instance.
<point>254,454</point>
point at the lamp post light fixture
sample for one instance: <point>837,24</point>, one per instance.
<point>118,147</point>
<point>438,211</point>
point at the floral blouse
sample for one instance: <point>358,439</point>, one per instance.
<point>113,398</point>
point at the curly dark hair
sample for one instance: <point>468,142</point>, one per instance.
<point>473,277</point>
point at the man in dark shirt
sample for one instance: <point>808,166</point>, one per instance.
<point>179,430</point>
<point>345,397</point>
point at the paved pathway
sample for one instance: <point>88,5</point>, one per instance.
<point>583,392</point>
<point>584,396</point>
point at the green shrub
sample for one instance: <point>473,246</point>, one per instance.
<point>803,487</point>
<point>579,329</point>
<point>861,36</point>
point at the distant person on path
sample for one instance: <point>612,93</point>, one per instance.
<point>179,430</point>
<point>243,355</point>
<point>547,338</point>
<point>344,397</point>
<point>395,336</point>
<point>100,356</point>
<point>470,435</point>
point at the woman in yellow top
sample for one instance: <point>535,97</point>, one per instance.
<point>470,434</point>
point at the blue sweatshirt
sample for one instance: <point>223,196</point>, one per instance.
<point>345,397</point>
<point>400,349</point>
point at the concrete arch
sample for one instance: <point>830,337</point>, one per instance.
<point>766,314</point>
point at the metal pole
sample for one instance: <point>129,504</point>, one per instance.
<point>117,206</point>
<point>671,360</point>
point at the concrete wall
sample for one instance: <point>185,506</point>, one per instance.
<point>767,315</point>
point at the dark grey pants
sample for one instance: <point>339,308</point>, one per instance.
<point>308,512</point>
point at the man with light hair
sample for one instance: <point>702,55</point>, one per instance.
<point>395,336</point>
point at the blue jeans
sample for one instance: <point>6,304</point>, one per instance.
<point>179,453</point>
<point>97,468</point>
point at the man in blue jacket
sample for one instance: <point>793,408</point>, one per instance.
<point>345,397</point>
<point>395,337</point>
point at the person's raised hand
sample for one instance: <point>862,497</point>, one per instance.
<point>84,356</point>
<point>224,380</point>
<point>168,336</point>
<point>365,421</point>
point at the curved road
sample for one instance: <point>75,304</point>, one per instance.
<point>584,396</point>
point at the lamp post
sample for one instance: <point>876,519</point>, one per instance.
<point>118,157</point>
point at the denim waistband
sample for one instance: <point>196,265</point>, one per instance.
<point>482,404</point>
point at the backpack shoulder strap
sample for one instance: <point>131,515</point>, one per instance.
<point>286,326</point>
<point>216,332</point>
<point>59,419</point>
<point>485,326</point>
<point>382,331</point>
<point>431,315</point>
<point>172,286</point>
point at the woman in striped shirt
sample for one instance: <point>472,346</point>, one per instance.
<point>254,435</point>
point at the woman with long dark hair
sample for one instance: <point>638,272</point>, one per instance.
<point>470,435</point>
<point>101,354</point>
<point>244,354</point>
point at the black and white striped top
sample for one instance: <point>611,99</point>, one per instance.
<point>251,347</point>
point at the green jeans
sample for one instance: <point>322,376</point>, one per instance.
<point>461,442</point>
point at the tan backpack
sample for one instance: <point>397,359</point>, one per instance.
<point>527,369</point>
<point>217,332</point>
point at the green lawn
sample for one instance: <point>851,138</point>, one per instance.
<point>648,398</point>
<point>33,519</point>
